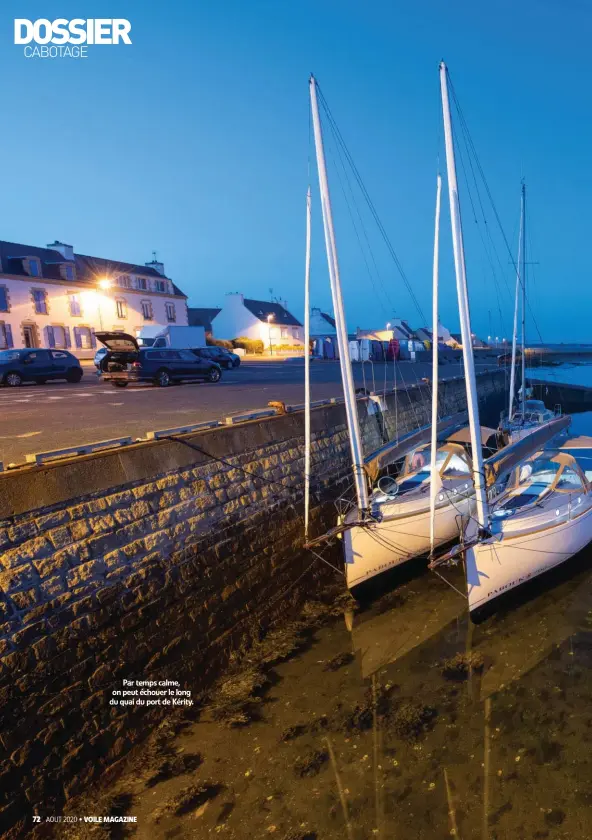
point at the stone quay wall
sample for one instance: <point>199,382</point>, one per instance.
<point>157,561</point>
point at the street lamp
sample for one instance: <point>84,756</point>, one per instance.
<point>269,320</point>
<point>103,283</point>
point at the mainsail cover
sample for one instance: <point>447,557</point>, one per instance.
<point>395,450</point>
<point>506,459</point>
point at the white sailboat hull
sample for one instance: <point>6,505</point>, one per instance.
<point>381,546</point>
<point>502,563</point>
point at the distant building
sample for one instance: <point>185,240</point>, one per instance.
<point>425,334</point>
<point>269,321</point>
<point>478,343</point>
<point>321,324</point>
<point>53,297</point>
<point>396,328</point>
<point>202,317</point>
<point>323,334</point>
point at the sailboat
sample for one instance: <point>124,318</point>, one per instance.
<point>426,505</point>
<point>544,516</point>
<point>532,413</point>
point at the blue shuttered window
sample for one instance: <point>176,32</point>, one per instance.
<point>68,339</point>
<point>77,338</point>
<point>50,336</point>
<point>8,336</point>
<point>4,299</point>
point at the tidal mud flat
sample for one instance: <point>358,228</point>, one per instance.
<point>402,721</point>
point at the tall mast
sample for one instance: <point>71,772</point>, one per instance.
<point>523,298</point>
<point>351,408</point>
<point>307,370</point>
<point>463,306</point>
<point>434,474</point>
<point>516,299</point>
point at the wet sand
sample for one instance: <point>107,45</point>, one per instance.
<point>411,724</point>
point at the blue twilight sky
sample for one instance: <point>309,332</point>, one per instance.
<point>194,142</point>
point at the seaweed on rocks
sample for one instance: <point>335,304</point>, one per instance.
<point>339,661</point>
<point>177,765</point>
<point>410,720</point>
<point>311,763</point>
<point>458,667</point>
<point>188,799</point>
<point>235,701</point>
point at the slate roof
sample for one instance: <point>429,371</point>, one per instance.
<point>200,316</point>
<point>262,308</point>
<point>87,268</point>
<point>328,318</point>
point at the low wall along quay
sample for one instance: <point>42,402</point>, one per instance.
<point>155,562</point>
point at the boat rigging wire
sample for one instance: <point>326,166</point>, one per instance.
<point>371,206</point>
<point>471,147</point>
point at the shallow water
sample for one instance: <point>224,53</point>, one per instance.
<point>413,724</point>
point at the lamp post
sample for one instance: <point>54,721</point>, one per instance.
<point>269,320</point>
<point>104,283</point>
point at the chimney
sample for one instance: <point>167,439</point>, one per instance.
<point>67,251</point>
<point>157,266</point>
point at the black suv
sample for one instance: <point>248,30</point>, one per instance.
<point>35,365</point>
<point>220,355</point>
<point>126,362</point>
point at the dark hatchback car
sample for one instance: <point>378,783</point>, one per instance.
<point>220,355</point>
<point>127,362</point>
<point>35,365</point>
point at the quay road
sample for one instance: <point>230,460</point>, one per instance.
<point>38,418</point>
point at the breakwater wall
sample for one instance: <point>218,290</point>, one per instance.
<point>573,399</point>
<point>156,562</point>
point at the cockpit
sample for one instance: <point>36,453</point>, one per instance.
<point>452,462</point>
<point>537,479</point>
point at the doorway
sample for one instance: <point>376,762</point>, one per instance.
<point>30,335</point>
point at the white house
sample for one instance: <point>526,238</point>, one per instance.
<point>52,297</point>
<point>321,324</point>
<point>395,328</point>
<point>257,319</point>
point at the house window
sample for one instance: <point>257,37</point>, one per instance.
<point>171,315</point>
<point>75,308</point>
<point>84,338</point>
<point>142,283</point>
<point>34,267</point>
<point>58,337</point>
<point>121,308</point>
<point>124,281</point>
<point>40,301</point>
<point>160,285</point>
<point>147,310</point>
<point>4,299</point>
<point>295,333</point>
<point>5,336</point>
<point>68,271</point>
<point>285,333</point>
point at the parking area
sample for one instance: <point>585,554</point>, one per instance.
<point>35,418</point>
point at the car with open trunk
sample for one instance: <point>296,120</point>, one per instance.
<point>126,362</point>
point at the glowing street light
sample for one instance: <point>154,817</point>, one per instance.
<point>103,283</point>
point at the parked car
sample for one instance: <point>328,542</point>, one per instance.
<point>38,365</point>
<point>220,355</point>
<point>125,362</point>
<point>100,354</point>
